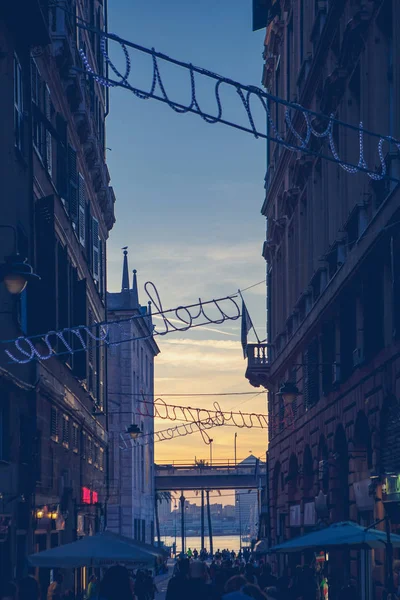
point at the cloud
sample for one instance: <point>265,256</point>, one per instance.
<point>214,344</point>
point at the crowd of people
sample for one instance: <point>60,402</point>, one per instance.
<point>234,577</point>
<point>117,584</point>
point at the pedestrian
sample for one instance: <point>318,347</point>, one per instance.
<point>28,589</point>
<point>189,553</point>
<point>141,586</point>
<point>179,585</point>
<point>116,584</point>
<point>233,589</point>
<point>266,579</point>
<point>55,591</point>
<point>195,554</point>
<point>93,588</point>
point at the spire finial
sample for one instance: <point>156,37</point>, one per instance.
<point>135,293</point>
<point>125,271</point>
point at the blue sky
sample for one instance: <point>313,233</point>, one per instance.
<point>189,193</point>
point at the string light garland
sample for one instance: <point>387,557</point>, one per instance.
<point>246,93</point>
<point>187,316</point>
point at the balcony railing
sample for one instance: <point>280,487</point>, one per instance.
<point>257,371</point>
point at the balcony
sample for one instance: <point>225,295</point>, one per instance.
<point>63,34</point>
<point>258,367</point>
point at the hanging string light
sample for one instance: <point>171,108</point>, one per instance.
<point>186,317</point>
<point>292,141</point>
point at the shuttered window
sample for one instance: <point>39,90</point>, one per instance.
<point>95,249</point>
<point>90,450</point>
<point>83,445</point>
<point>96,452</point>
<point>47,134</point>
<point>75,437</point>
<point>54,424</point>
<point>91,353</point>
<point>101,459</point>
<point>62,158</point>
<point>65,431</point>
<point>18,106</point>
<point>37,100</point>
<point>82,209</point>
<point>72,186</point>
<point>311,374</point>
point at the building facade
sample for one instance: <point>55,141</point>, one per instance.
<point>56,195</point>
<point>331,249</point>
<point>131,396</point>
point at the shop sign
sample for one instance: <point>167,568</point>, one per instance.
<point>89,496</point>
<point>309,514</point>
<point>364,499</point>
<point>295,516</point>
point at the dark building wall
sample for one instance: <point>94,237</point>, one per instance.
<point>331,253</point>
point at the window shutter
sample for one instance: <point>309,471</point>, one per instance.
<point>82,209</point>
<point>42,301</point>
<point>95,249</point>
<point>54,424</point>
<point>48,138</point>
<point>72,185</point>
<point>80,318</point>
<point>62,159</point>
<point>101,269</point>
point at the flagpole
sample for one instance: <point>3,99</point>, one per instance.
<point>255,332</point>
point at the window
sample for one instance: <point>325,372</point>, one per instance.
<point>311,374</point>
<point>96,455</point>
<point>54,424</point>
<point>101,459</point>
<point>82,209</point>
<point>65,431</point>
<point>48,138</point>
<point>83,445</point>
<point>75,437</point>
<point>72,186</point>
<point>95,249</point>
<point>18,106</point>
<point>38,101</point>
<point>90,450</point>
<point>289,42</point>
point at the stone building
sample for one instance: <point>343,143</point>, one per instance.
<point>131,396</point>
<point>333,277</point>
<point>56,194</point>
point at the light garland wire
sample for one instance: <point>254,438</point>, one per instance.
<point>245,94</point>
<point>187,316</point>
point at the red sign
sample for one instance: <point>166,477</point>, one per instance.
<point>86,495</point>
<point>89,497</point>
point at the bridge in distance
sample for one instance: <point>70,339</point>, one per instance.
<point>220,475</point>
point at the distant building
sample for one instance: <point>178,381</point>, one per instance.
<point>131,391</point>
<point>164,510</point>
<point>246,505</point>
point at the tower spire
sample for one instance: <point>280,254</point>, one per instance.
<point>135,293</point>
<point>125,272</point>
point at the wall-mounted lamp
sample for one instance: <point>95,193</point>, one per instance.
<point>289,392</point>
<point>15,272</point>
<point>134,431</point>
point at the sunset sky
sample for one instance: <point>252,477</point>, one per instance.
<point>188,205</point>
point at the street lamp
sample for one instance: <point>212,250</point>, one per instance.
<point>211,443</point>
<point>134,431</point>
<point>15,272</point>
<point>289,392</point>
<point>235,446</point>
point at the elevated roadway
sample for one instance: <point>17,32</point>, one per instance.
<point>220,475</point>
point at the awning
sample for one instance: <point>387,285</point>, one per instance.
<point>344,534</point>
<point>102,549</point>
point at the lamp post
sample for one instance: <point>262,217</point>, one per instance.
<point>182,501</point>
<point>289,392</point>
<point>15,272</point>
<point>235,446</point>
<point>211,443</point>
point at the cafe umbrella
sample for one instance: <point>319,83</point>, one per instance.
<point>101,549</point>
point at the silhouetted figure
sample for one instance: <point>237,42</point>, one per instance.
<point>28,589</point>
<point>116,584</point>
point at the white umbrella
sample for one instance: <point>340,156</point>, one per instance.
<point>344,534</point>
<point>97,550</point>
